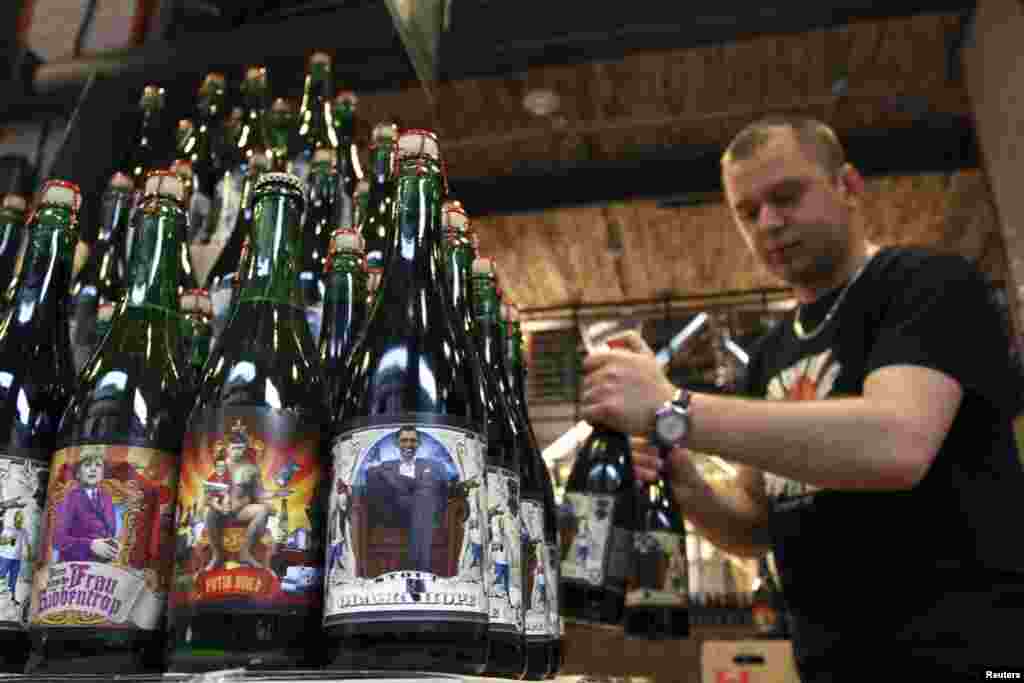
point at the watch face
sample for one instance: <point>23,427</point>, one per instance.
<point>671,428</point>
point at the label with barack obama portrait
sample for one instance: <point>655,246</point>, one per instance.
<point>407,529</point>
<point>249,530</point>
<point>104,555</point>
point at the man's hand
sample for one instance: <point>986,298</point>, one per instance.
<point>678,467</point>
<point>623,388</point>
<point>104,548</point>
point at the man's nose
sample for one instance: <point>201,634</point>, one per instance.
<point>769,218</point>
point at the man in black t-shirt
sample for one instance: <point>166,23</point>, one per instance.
<point>874,450</point>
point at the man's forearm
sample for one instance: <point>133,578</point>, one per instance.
<point>838,443</point>
<point>727,517</point>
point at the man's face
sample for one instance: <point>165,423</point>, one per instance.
<point>408,441</point>
<point>91,472</point>
<point>794,217</point>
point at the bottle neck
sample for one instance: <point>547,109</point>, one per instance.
<point>459,258</point>
<point>414,260</point>
<point>344,297</point>
<point>272,260</point>
<point>488,330</point>
<point>154,264</point>
<point>383,167</point>
<point>11,223</point>
<point>116,209</point>
<point>516,366</point>
<point>317,118</point>
<point>344,125</point>
<point>253,133</point>
<point>38,302</point>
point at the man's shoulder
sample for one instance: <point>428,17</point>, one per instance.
<point>900,262</point>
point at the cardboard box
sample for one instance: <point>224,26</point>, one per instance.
<point>748,661</point>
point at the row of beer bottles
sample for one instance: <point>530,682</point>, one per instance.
<point>623,544</point>
<point>407,525</point>
<point>220,154</point>
<point>229,158</point>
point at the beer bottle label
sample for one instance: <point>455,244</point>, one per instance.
<point>505,564</point>
<point>407,524</point>
<point>658,577</point>
<point>103,560</point>
<point>23,485</point>
<point>598,552</point>
<point>538,572</point>
<point>554,617</point>
<point>251,482</point>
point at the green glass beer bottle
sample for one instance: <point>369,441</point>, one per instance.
<point>248,591</point>
<point>101,280</point>
<point>281,120</point>
<point>378,225</point>
<point>316,117</point>
<point>12,241</point>
<point>657,591</point>
<point>408,461</point>
<point>323,204</point>
<point>344,308</point>
<point>197,328</point>
<point>350,172</point>
<point>600,499</point>
<point>36,378</point>
<point>105,554</point>
<point>204,154</point>
<point>506,501</point>
<point>516,368</point>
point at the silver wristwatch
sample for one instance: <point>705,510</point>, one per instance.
<point>672,421</point>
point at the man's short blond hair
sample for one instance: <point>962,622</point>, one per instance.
<point>816,137</point>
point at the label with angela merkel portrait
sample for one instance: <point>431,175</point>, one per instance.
<point>105,548</point>
<point>408,527</point>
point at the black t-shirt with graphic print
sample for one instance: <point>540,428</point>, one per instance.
<point>917,570</point>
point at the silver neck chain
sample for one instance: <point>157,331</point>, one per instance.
<point>798,328</point>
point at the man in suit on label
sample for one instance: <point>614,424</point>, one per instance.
<point>86,526</point>
<point>416,491</point>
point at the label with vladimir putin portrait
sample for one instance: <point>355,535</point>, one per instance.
<point>250,514</point>
<point>104,554</point>
<point>407,528</point>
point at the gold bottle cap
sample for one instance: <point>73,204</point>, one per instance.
<point>121,181</point>
<point>483,266</point>
<point>418,142</point>
<point>347,240</point>
<point>384,132</point>
<point>346,97</point>
<point>256,73</point>
<point>319,58</point>
<point>164,184</point>
<point>454,216</point>
<point>323,154</point>
<point>61,193</point>
<point>15,201</point>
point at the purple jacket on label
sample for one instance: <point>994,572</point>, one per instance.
<point>80,521</point>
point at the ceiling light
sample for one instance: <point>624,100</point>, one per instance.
<point>542,102</point>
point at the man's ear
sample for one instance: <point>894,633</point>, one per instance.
<point>851,182</point>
